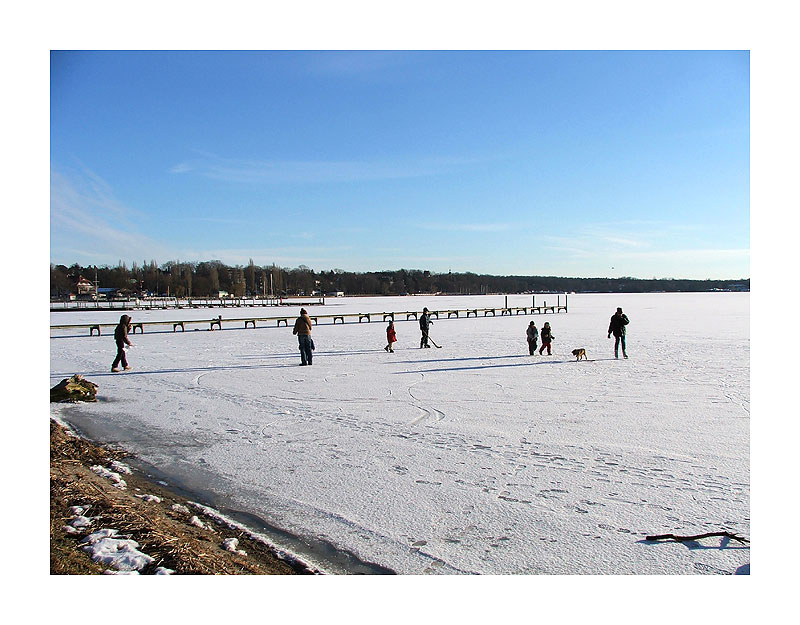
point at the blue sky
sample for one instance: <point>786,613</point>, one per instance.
<point>548,163</point>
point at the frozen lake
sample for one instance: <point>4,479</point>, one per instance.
<point>472,458</point>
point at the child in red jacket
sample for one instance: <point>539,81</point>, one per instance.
<point>391,337</point>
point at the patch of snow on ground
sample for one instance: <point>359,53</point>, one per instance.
<point>111,475</point>
<point>77,525</point>
<point>121,467</point>
<point>121,554</point>
<point>232,545</point>
<point>150,498</point>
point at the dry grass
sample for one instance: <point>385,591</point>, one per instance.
<point>162,533</point>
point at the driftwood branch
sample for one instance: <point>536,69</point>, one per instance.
<point>697,537</point>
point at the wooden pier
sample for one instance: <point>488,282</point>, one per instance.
<point>277,321</point>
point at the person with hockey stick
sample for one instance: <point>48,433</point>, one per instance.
<point>617,327</point>
<point>391,337</point>
<point>302,328</point>
<point>121,339</point>
<point>533,337</point>
<point>547,338</point>
<point>424,326</point>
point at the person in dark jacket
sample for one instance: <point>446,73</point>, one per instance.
<point>617,327</point>
<point>302,328</point>
<point>121,339</point>
<point>533,337</point>
<point>547,338</point>
<point>424,325</point>
<point>391,337</point>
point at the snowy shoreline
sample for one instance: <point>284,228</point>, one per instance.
<point>319,559</point>
<point>475,458</point>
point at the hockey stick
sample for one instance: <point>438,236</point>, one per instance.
<point>434,344</point>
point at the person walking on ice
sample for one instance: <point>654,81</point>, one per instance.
<point>617,327</point>
<point>302,328</point>
<point>424,325</point>
<point>533,337</point>
<point>547,338</point>
<point>391,337</point>
<point>122,340</point>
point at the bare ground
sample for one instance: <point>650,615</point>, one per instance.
<point>162,533</point>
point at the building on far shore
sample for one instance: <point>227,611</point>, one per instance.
<point>85,288</point>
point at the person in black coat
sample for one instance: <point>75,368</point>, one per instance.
<point>617,327</point>
<point>121,338</point>
<point>424,326</point>
<point>547,338</point>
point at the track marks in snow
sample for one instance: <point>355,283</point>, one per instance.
<point>429,415</point>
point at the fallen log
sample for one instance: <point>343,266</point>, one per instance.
<point>697,537</point>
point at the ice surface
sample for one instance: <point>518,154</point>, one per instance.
<point>473,458</point>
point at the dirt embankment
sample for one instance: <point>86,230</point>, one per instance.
<point>162,532</point>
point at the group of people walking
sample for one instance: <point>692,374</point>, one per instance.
<point>616,327</point>
<point>303,325</point>
<point>532,334</point>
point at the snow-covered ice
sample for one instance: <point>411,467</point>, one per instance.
<point>473,458</point>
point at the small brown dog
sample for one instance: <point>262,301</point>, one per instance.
<point>578,353</point>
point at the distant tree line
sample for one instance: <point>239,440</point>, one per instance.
<point>208,278</point>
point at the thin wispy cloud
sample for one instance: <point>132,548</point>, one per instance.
<point>690,255</point>
<point>455,227</point>
<point>643,244</point>
<point>246,171</point>
<point>616,238</point>
<point>215,220</point>
<point>83,208</point>
<point>306,236</point>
